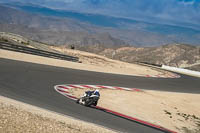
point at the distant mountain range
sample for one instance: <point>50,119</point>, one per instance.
<point>68,27</point>
<point>53,30</point>
<point>175,12</point>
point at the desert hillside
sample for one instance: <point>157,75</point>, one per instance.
<point>194,67</point>
<point>178,55</point>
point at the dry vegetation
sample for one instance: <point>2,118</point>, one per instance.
<point>194,67</point>
<point>178,55</point>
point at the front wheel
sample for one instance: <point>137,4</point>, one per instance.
<point>77,101</point>
<point>87,102</point>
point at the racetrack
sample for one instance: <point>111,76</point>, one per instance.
<point>33,84</point>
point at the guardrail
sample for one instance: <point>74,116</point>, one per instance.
<point>23,49</point>
<point>181,70</point>
<point>152,64</point>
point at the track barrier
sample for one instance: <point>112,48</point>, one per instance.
<point>33,51</point>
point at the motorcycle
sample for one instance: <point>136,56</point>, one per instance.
<point>88,100</point>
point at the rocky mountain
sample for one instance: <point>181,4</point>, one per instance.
<point>178,55</point>
<point>104,35</point>
<point>133,32</point>
<point>53,30</point>
<point>176,12</point>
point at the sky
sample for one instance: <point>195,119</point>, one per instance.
<point>164,11</point>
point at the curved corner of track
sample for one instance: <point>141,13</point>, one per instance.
<point>64,90</point>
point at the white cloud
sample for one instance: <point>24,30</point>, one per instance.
<point>186,3</point>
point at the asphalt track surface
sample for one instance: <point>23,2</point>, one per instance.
<point>34,84</point>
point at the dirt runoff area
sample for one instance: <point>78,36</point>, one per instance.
<point>176,111</point>
<point>17,117</point>
<point>113,66</point>
<point>90,62</point>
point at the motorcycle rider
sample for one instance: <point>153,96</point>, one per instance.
<point>91,94</point>
<point>94,93</point>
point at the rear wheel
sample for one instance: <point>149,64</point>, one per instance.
<point>95,103</point>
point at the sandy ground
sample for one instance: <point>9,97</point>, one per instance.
<point>17,117</point>
<point>176,111</point>
<point>107,66</point>
<point>114,65</point>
